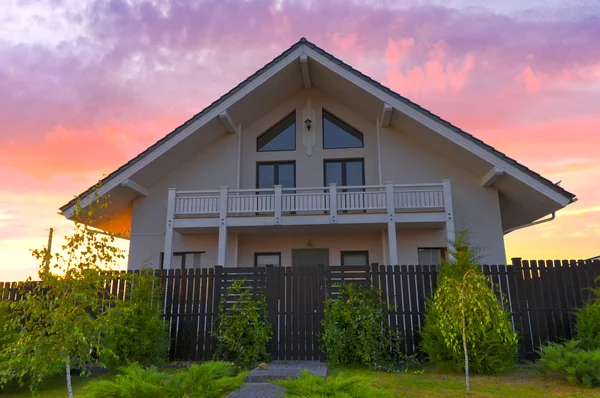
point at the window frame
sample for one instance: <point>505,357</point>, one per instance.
<point>276,170</point>
<point>442,250</point>
<point>344,126</point>
<point>344,252</point>
<point>344,174</point>
<point>273,127</point>
<point>256,254</point>
<point>161,263</point>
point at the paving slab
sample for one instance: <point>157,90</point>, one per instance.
<point>284,369</point>
<point>258,390</point>
<point>256,383</point>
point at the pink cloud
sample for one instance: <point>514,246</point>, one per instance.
<point>529,86</point>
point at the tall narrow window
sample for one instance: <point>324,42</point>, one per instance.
<point>339,134</point>
<point>345,172</point>
<point>281,137</point>
<point>276,173</point>
<point>431,256</point>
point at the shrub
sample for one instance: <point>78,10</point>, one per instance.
<point>573,362</point>
<point>207,380</point>
<point>243,330</point>
<point>490,340</point>
<point>356,330</point>
<point>588,323</point>
<point>138,333</point>
<point>338,386</point>
<point>135,381</point>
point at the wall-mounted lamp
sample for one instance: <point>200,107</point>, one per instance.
<point>308,123</point>
<point>309,243</point>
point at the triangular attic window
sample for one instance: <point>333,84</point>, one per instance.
<point>281,137</point>
<point>339,134</point>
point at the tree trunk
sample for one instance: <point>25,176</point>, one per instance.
<point>464,337</point>
<point>69,385</point>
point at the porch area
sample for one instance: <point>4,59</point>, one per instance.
<point>382,208</point>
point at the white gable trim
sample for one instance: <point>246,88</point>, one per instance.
<point>187,131</point>
<point>438,127</point>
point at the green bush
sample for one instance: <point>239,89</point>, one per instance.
<point>588,323</point>
<point>356,329</point>
<point>138,332</point>
<point>491,341</point>
<point>208,380</point>
<point>339,386</point>
<point>574,363</point>
<point>135,381</point>
<point>243,330</point>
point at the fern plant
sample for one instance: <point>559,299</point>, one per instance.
<point>338,386</point>
<point>207,380</point>
<point>574,363</point>
<point>135,381</point>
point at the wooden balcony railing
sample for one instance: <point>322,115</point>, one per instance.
<point>277,202</point>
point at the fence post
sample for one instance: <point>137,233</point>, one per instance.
<point>271,286</point>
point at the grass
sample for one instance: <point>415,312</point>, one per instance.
<point>523,381</point>
<point>56,388</point>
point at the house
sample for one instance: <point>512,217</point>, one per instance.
<point>308,161</point>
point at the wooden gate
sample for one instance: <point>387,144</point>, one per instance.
<point>295,302</point>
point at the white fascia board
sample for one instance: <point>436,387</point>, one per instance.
<point>305,71</point>
<point>491,177</point>
<point>135,187</point>
<point>441,129</point>
<point>190,129</point>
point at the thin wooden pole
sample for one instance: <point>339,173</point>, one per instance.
<point>49,251</point>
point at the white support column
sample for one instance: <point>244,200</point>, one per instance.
<point>379,160</point>
<point>384,247</point>
<point>391,213</point>
<point>450,231</point>
<point>222,249</point>
<point>333,203</point>
<point>168,253</point>
<point>236,249</point>
<point>278,203</point>
<point>239,157</point>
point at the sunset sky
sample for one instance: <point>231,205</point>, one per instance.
<point>87,85</point>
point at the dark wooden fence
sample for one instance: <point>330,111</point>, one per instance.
<point>542,297</point>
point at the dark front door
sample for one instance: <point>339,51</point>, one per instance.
<point>309,257</point>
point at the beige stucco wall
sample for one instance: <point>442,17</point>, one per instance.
<point>403,161</point>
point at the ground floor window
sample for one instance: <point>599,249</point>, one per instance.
<point>355,258</point>
<point>263,259</point>
<point>183,260</point>
<point>431,255</point>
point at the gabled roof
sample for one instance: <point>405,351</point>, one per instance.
<point>569,197</point>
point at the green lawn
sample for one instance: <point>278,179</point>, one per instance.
<point>56,388</point>
<point>520,382</point>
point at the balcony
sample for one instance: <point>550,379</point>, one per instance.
<point>310,206</point>
<point>391,205</point>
